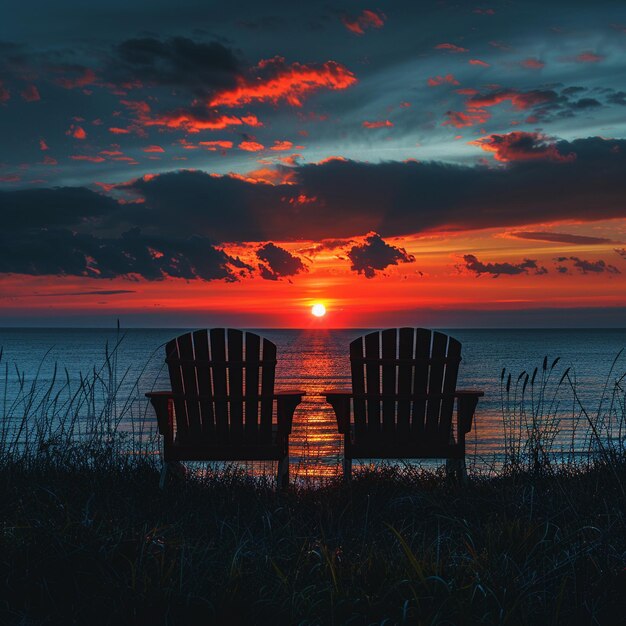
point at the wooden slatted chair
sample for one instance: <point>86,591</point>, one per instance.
<point>222,403</point>
<point>402,399</point>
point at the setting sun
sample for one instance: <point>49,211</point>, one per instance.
<point>318,309</point>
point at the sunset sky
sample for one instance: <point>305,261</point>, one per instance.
<point>198,163</point>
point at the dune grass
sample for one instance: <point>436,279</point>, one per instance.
<point>83,544</point>
<point>88,538</point>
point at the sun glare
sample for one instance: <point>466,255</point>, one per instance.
<point>318,309</point>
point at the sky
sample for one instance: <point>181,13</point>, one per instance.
<point>191,164</point>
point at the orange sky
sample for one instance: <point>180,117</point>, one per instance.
<point>438,280</point>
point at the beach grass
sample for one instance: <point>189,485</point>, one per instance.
<point>87,544</point>
<point>89,538</point>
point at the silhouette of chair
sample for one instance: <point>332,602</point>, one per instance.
<point>222,403</point>
<point>402,399</point>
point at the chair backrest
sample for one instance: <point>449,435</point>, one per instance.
<point>403,384</point>
<point>223,381</point>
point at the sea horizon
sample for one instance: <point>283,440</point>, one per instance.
<point>317,359</point>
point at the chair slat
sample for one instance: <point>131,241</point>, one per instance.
<point>268,373</point>
<point>420,382</point>
<point>435,381</point>
<point>188,371</point>
<point>389,339</point>
<point>220,388</point>
<point>358,387</point>
<point>235,384</point>
<point>372,381</point>
<point>448,389</point>
<point>205,388</point>
<point>251,391</point>
<point>176,380</point>
<point>406,342</point>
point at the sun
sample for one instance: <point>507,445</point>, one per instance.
<point>318,309</point>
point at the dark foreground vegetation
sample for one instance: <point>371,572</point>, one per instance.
<point>97,542</point>
<point>87,537</point>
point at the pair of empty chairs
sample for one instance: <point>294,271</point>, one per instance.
<point>223,406</point>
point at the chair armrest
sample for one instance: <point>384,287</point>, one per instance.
<point>339,399</point>
<point>286,403</point>
<point>479,393</point>
<point>466,407</point>
<point>160,400</point>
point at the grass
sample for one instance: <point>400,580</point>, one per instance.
<point>84,545</point>
<point>88,538</point>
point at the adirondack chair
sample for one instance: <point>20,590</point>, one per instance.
<point>402,399</point>
<point>222,403</point>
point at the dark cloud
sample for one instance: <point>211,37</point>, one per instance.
<point>561,238</point>
<point>39,208</point>
<point>522,146</point>
<point>593,267</point>
<point>619,97</point>
<point>94,292</point>
<point>192,210</point>
<point>198,67</point>
<point>278,262</point>
<point>586,103</point>
<point>374,255</point>
<point>472,264</point>
<point>62,252</point>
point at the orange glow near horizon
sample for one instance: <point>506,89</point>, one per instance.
<point>438,280</point>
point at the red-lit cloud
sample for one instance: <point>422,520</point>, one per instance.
<point>450,47</point>
<point>467,91</point>
<point>533,63</point>
<point>5,94</point>
<point>119,131</point>
<point>522,146</point>
<point>251,146</point>
<point>280,146</point>
<point>153,149</point>
<point>274,80</point>
<point>216,145</point>
<point>74,76</point>
<point>31,94</point>
<point>435,81</point>
<point>267,175</point>
<point>478,62</point>
<point>520,100</point>
<point>367,19</point>
<point>196,121</point>
<point>589,57</point>
<point>378,124</point>
<point>43,145</point>
<point>460,119</point>
<point>78,132</point>
<point>90,159</point>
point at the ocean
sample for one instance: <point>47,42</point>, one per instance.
<point>315,360</point>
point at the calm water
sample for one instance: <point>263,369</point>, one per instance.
<point>318,360</point>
